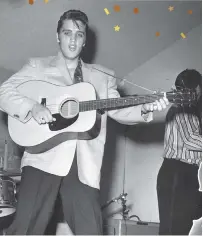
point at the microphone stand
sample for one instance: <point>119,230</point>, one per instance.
<point>125,212</point>
<point>116,199</point>
<point>124,207</point>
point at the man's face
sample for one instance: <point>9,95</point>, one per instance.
<point>72,38</point>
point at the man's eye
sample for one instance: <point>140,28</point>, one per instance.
<point>80,35</point>
<point>67,33</point>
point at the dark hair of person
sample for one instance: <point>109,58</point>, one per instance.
<point>190,79</point>
<point>74,15</point>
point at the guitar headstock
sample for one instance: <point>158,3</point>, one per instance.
<point>182,97</point>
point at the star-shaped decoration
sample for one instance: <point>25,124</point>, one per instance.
<point>117,8</point>
<point>136,10</point>
<point>117,28</point>
<point>171,8</point>
<point>189,12</point>
<point>157,34</point>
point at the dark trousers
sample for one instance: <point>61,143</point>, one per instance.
<point>37,197</point>
<point>179,199</point>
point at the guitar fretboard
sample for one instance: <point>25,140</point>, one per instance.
<point>113,103</point>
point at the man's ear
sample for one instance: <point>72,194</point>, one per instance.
<point>57,38</point>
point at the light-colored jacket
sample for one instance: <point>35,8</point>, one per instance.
<point>58,160</point>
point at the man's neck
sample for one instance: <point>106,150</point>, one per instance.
<point>72,64</point>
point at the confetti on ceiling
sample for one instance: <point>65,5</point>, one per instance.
<point>136,10</point>
<point>171,8</point>
<point>31,2</point>
<point>117,8</point>
<point>157,34</point>
<point>189,12</point>
<point>183,35</point>
<point>106,11</point>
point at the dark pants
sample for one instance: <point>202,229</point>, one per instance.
<point>37,197</point>
<point>179,199</point>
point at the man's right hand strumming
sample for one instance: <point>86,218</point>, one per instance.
<point>41,114</point>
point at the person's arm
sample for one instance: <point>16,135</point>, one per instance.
<point>127,116</point>
<point>11,101</point>
<point>188,126</point>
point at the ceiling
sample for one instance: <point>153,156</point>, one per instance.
<point>29,30</point>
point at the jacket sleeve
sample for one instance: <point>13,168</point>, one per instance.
<point>11,101</point>
<point>127,116</point>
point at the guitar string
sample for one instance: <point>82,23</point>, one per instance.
<point>126,81</point>
<point>149,98</point>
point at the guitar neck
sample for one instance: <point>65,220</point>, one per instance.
<point>115,103</point>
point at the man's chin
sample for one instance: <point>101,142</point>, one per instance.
<point>72,57</point>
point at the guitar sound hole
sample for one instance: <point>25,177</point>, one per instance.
<point>69,108</point>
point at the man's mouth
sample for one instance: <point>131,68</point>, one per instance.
<point>72,48</point>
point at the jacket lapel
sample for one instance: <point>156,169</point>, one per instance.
<point>59,62</point>
<point>86,71</point>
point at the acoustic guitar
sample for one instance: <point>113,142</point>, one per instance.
<point>75,109</point>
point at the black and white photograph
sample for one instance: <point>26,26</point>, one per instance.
<point>100,117</point>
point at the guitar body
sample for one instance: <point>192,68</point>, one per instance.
<point>31,133</point>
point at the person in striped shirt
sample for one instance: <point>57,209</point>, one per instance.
<point>179,199</point>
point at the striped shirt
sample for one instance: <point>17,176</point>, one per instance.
<point>182,140</point>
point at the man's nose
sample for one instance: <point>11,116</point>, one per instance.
<point>73,38</point>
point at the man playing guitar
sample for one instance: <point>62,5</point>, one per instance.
<point>64,170</point>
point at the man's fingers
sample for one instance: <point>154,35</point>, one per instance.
<point>48,116</point>
<point>166,100</point>
<point>158,105</point>
<point>41,114</point>
<point>51,118</point>
<point>151,105</point>
<point>45,119</point>
<point>154,106</point>
<point>39,120</point>
<point>163,104</point>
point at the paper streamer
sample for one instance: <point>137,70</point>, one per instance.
<point>183,35</point>
<point>106,11</point>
